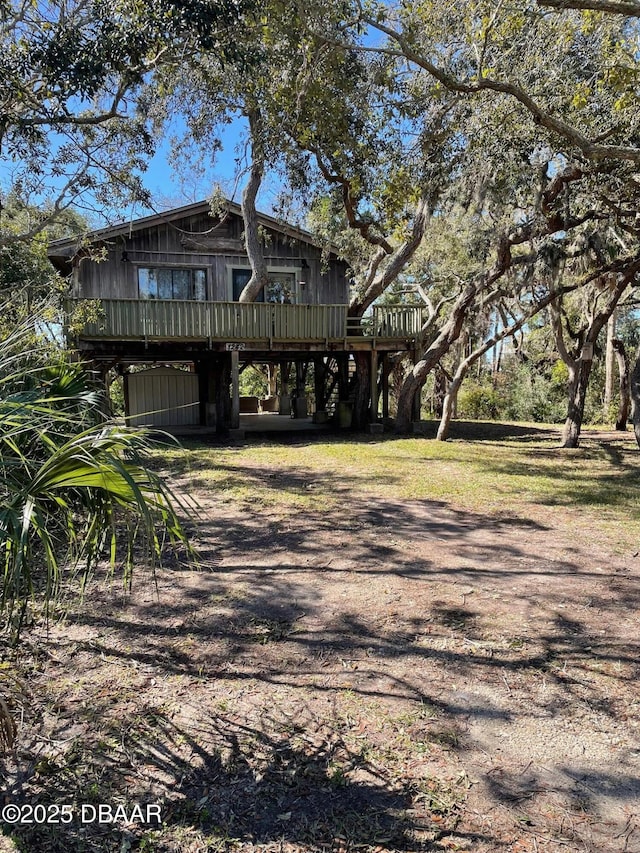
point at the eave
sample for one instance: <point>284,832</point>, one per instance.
<point>61,251</point>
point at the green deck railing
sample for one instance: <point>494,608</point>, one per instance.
<point>172,319</point>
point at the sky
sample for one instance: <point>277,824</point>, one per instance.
<point>168,183</point>
<point>170,187</point>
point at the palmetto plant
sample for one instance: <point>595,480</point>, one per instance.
<point>74,486</point>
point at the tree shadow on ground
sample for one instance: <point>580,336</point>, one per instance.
<point>225,781</point>
<point>405,604</point>
<point>458,429</point>
<point>489,431</point>
<point>572,486</point>
<point>246,616</point>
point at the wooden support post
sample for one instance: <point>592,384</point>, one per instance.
<point>299,402</point>
<point>300,371</point>
<point>125,394</point>
<point>235,390</point>
<point>284,377</point>
<point>202,373</point>
<point>319,380</point>
<point>373,378</point>
<point>220,379</point>
<point>100,373</point>
<point>271,380</point>
<point>343,375</point>
<point>285,399</point>
<point>386,367</point>
<point>107,378</point>
<point>213,377</point>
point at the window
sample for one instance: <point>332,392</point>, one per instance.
<point>239,280</point>
<point>167,283</point>
<point>281,287</point>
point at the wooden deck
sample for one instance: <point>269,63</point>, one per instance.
<point>233,322</point>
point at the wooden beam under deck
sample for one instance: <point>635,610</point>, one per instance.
<point>136,352</point>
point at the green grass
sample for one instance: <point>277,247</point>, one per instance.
<point>498,470</point>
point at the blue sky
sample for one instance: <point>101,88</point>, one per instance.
<point>170,188</point>
<point>169,185</point>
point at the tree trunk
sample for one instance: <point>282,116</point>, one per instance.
<point>623,371</point>
<point>362,390</point>
<point>635,397</point>
<point>450,401</point>
<point>580,368</point>
<point>412,382</point>
<point>439,392</point>
<point>377,280</point>
<point>609,365</point>
<point>252,242</point>
<point>449,333</point>
<point>415,378</point>
<point>578,382</point>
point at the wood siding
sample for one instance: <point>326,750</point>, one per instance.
<point>196,241</point>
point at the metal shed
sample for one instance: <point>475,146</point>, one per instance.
<point>162,397</point>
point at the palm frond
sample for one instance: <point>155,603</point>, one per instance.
<point>75,488</point>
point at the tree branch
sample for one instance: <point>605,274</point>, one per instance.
<point>612,7</point>
<point>350,203</point>
<point>397,261</point>
<point>591,150</point>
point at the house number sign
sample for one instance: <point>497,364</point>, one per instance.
<point>234,347</point>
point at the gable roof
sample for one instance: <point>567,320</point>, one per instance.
<point>66,247</point>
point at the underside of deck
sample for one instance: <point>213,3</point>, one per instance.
<point>137,352</point>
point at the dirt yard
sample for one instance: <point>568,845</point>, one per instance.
<point>357,671</point>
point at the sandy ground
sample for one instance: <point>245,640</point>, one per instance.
<point>385,676</point>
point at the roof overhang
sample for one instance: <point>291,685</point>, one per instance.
<point>62,251</point>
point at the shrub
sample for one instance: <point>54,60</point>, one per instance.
<point>532,396</point>
<point>74,487</point>
<point>478,402</point>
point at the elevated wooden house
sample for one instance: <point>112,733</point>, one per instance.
<point>163,290</point>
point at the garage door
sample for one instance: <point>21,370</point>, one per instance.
<point>163,396</point>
